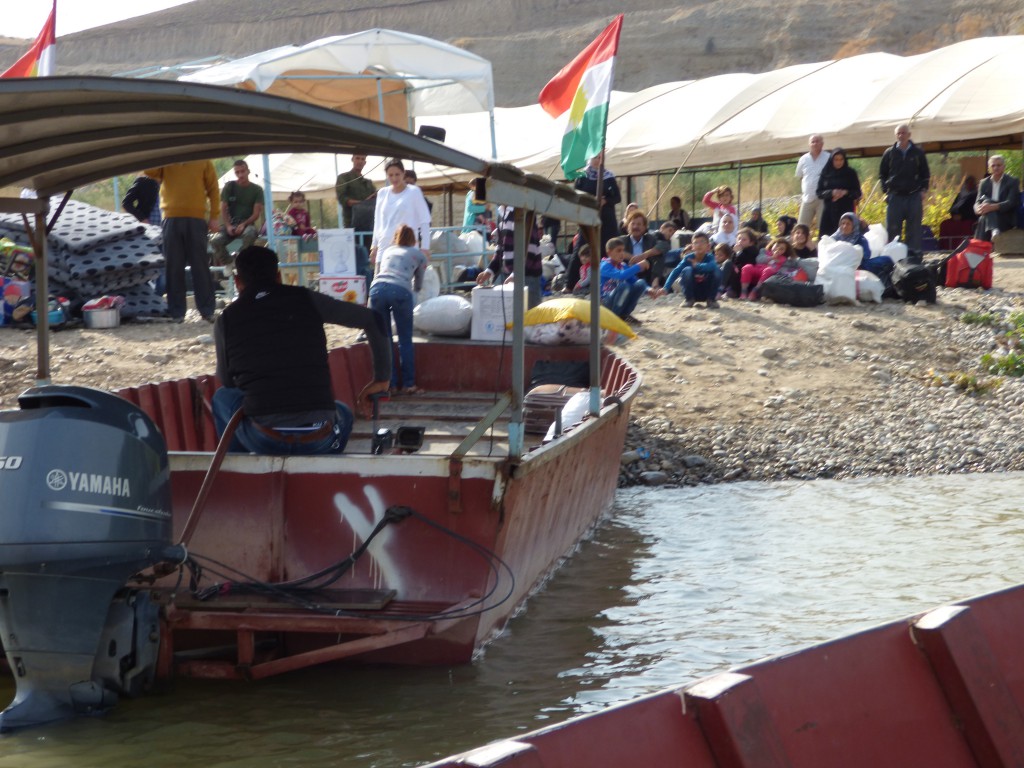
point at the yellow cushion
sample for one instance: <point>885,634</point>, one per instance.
<point>554,310</point>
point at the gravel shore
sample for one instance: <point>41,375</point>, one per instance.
<point>764,392</point>
<point>751,391</point>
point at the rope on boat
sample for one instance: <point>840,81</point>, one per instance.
<point>305,591</point>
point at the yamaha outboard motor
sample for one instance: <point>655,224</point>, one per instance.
<point>85,504</point>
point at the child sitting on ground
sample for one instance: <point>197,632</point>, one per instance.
<point>621,289</point>
<point>723,258</point>
<point>782,258</point>
<point>698,274</point>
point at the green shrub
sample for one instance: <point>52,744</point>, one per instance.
<point>1009,364</point>
<point>979,318</point>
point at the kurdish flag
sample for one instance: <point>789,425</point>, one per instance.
<point>583,89</point>
<point>41,59</point>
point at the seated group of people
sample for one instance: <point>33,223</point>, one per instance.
<point>720,260</point>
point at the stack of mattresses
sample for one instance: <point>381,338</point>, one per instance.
<point>93,252</point>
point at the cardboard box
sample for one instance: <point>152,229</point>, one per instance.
<point>345,288</point>
<point>492,309</point>
<point>337,252</point>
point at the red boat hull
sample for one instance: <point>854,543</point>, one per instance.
<point>276,519</point>
<point>945,690</point>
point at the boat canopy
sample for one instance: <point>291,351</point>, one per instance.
<point>61,132</point>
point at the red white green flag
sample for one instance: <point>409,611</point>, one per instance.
<point>41,59</point>
<point>583,89</point>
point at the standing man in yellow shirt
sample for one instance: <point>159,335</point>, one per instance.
<point>189,202</point>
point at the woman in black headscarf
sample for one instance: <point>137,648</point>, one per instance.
<point>784,226</point>
<point>839,189</point>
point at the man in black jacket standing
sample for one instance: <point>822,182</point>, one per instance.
<point>998,200</point>
<point>272,360</point>
<point>904,175</point>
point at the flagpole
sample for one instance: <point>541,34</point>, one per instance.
<point>595,295</point>
<point>580,88</point>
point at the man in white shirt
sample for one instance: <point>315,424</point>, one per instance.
<point>808,170</point>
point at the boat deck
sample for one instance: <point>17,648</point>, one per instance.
<point>446,417</point>
<point>463,382</point>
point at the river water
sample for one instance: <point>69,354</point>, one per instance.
<point>676,585</point>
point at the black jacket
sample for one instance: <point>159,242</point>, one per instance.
<point>142,197</point>
<point>1009,202</point>
<point>904,174</point>
<point>271,344</point>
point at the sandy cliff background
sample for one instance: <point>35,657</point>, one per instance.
<point>529,40</point>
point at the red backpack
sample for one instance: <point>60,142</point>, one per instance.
<point>971,267</point>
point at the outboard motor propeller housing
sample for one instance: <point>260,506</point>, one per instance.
<point>84,480</point>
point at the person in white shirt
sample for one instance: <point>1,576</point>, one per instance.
<point>808,170</point>
<point>399,203</point>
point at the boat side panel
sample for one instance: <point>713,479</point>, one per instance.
<point>1000,617</point>
<point>327,516</point>
<point>550,508</point>
<point>654,732</point>
<point>240,525</point>
<point>866,699</point>
<point>284,524</point>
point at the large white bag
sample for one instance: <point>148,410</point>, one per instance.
<point>837,265</point>
<point>869,286</point>
<point>877,237</point>
<point>895,250</point>
<point>474,241</point>
<point>573,412</point>
<point>448,315</point>
<point>430,288</point>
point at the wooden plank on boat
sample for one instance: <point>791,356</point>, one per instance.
<point>974,684</point>
<point>330,599</point>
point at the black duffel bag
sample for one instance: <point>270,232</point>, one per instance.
<point>783,289</point>
<point>913,282</point>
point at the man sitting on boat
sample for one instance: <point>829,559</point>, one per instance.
<point>272,361</point>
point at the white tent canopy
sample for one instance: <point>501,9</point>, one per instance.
<point>960,96</point>
<point>380,74</point>
<point>953,97</point>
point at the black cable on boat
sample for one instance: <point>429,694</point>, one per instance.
<point>303,591</point>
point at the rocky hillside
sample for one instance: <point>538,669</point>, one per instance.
<point>661,41</point>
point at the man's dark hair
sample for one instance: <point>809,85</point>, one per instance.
<point>256,266</point>
<point>238,163</point>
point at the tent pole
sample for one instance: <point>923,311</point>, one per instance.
<point>341,219</point>
<point>268,206</point>
<point>739,192</point>
<point>490,109</point>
